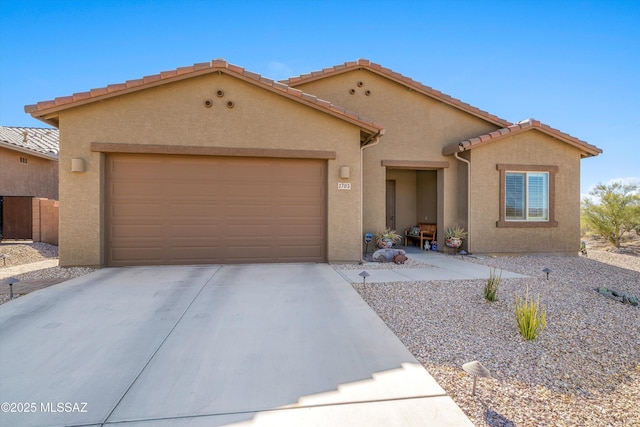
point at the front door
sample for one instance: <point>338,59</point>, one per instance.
<point>391,204</point>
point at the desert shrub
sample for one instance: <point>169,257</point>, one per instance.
<point>613,210</point>
<point>492,285</point>
<point>531,317</point>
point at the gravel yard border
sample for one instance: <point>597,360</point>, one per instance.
<point>583,370</point>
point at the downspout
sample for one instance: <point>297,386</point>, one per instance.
<point>372,141</point>
<point>468,196</point>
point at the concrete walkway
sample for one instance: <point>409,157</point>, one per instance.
<point>25,268</point>
<point>443,267</point>
<point>253,345</point>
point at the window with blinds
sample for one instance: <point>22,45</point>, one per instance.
<point>527,196</point>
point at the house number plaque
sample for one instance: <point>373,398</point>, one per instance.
<point>344,186</point>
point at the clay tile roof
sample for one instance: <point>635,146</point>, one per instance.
<point>46,110</point>
<point>42,142</point>
<point>99,91</point>
<point>404,80</point>
<point>588,150</point>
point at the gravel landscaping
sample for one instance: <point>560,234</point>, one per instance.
<point>583,370</point>
<point>27,253</point>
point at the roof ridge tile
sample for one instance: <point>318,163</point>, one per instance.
<point>151,78</point>
<point>79,96</point>
<point>251,75</point>
<point>234,68</point>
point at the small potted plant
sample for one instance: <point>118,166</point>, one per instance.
<point>454,236</point>
<point>387,238</point>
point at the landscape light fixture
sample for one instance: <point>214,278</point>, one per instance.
<point>10,281</point>
<point>547,270</point>
<point>364,276</point>
<point>476,369</point>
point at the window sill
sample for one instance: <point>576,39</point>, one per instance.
<point>526,224</point>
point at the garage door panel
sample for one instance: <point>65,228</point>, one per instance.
<point>199,254</point>
<point>136,255</point>
<point>198,232</point>
<point>307,212</point>
<point>291,252</point>
<point>238,230</point>
<point>301,231</point>
<point>200,209</point>
<point>242,190</point>
<point>304,195</point>
<point>133,189</point>
<point>140,231</point>
<point>250,212</point>
<point>132,210</point>
<point>205,210</point>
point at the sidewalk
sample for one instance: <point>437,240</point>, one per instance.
<point>25,268</point>
<point>444,267</point>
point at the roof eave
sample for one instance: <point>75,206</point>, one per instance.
<point>50,115</point>
<point>367,65</point>
<point>587,150</point>
<point>28,151</point>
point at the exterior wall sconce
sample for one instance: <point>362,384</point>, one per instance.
<point>345,172</point>
<point>78,165</point>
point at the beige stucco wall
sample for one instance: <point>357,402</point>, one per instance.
<point>37,178</point>
<point>528,148</point>
<point>174,114</point>
<point>417,127</point>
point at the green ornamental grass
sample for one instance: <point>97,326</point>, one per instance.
<point>531,317</point>
<point>493,283</point>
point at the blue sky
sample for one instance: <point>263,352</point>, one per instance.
<point>574,65</point>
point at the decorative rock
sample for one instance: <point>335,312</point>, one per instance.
<point>618,296</point>
<point>387,255</point>
<point>400,259</point>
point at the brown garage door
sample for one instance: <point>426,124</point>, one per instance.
<point>163,209</point>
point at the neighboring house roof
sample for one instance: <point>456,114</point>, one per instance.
<point>47,111</point>
<point>588,150</point>
<point>41,142</point>
<point>399,78</point>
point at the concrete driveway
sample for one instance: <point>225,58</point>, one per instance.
<point>252,345</point>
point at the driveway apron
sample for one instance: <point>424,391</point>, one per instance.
<point>275,344</point>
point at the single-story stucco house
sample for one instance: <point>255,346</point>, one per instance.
<point>28,175</point>
<point>215,164</point>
